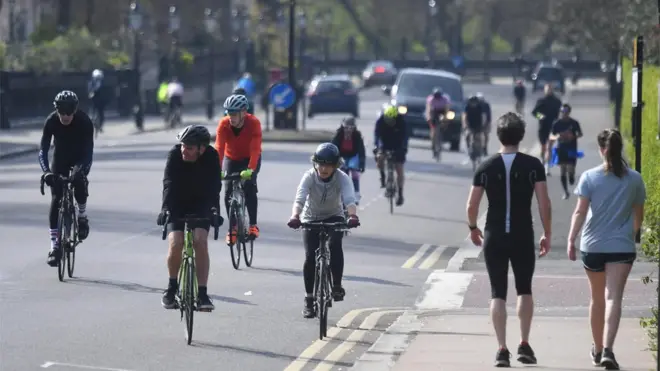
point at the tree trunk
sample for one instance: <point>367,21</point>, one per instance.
<point>372,38</point>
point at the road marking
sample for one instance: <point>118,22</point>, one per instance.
<point>444,290</point>
<point>433,258</point>
<point>356,336</point>
<point>86,367</point>
<point>418,255</point>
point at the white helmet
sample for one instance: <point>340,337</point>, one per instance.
<point>97,74</point>
<point>236,103</point>
<point>480,96</point>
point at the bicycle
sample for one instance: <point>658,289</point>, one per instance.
<point>187,278</point>
<point>237,221</point>
<point>390,185</point>
<point>67,226</point>
<point>174,118</point>
<point>475,149</point>
<point>322,275</point>
<point>96,120</point>
<point>436,138</point>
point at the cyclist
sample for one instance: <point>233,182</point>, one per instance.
<point>241,91</point>
<point>566,131</point>
<point>174,95</point>
<point>238,142</point>
<point>436,104</point>
<point>320,195</point>
<point>519,93</point>
<point>391,134</point>
<point>509,231</point>
<point>73,134</point>
<point>351,148</point>
<point>95,93</point>
<point>546,111</point>
<point>474,119</point>
<point>488,112</point>
<point>191,185</point>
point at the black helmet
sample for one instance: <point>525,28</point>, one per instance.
<point>348,122</point>
<point>327,154</point>
<point>66,101</point>
<point>437,93</point>
<point>194,135</point>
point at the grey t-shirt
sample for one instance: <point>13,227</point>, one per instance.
<point>609,224</point>
<point>321,200</point>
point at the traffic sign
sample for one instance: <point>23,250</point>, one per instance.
<point>282,96</point>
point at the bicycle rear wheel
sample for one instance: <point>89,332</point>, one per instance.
<point>235,225</point>
<point>63,235</point>
<point>248,255</point>
<point>321,298</point>
<point>189,298</point>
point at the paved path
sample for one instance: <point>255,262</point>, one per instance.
<point>109,316</point>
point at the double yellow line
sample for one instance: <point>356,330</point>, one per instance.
<point>356,336</point>
<point>430,260</point>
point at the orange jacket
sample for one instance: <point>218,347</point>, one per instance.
<point>245,145</point>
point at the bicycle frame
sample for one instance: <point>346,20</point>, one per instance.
<point>187,262</point>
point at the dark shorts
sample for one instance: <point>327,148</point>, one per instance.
<point>544,133</point>
<point>566,156</point>
<point>399,155</point>
<point>191,207</point>
<point>234,166</point>
<point>595,262</point>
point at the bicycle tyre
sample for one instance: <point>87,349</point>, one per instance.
<point>248,256</point>
<point>62,233</point>
<point>235,248</point>
<point>71,250</point>
<point>321,301</point>
<point>190,299</point>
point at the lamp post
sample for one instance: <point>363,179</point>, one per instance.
<point>210,23</point>
<point>175,24</point>
<point>240,24</point>
<point>135,23</point>
<point>433,11</point>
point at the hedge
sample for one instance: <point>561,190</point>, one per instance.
<point>650,172</point>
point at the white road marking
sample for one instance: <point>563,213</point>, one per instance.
<point>84,367</point>
<point>418,255</point>
<point>444,290</point>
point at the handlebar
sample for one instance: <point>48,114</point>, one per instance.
<point>334,226</point>
<point>232,176</point>
<point>58,178</point>
<point>191,218</point>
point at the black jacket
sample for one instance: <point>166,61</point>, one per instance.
<point>358,145</point>
<point>549,107</point>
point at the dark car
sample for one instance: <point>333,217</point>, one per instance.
<point>409,94</point>
<point>548,73</point>
<point>379,73</point>
<point>333,94</point>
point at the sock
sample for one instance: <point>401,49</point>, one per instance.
<point>400,191</point>
<point>571,178</point>
<point>524,343</point>
<point>81,209</point>
<point>53,238</point>
<point>173,284</point>
<point>201,291</point>
<point>382,175</point>
<point>564,182</point>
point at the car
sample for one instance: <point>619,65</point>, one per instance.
<point>409,94</point>
<point>333,94</point>
<point>379,73</point>
<point>548,73</point>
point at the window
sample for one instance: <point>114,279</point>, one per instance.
<point>422,85</point>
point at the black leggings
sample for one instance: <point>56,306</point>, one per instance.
<point>249,187</point>
<point>311,242</point>
<point>56,191</point>
<point>519,249</point>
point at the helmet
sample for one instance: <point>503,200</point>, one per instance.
<point>97,74</point>
<point>194,135</point>
<point>437,93</point>
<point>66,100</point>
<point>348,122</point>
<point>390,112</point>
<point>327,154</point>
<point>519,82</point>
<point>236,103</point>
<point>473,98</point>
<point>480,96</point>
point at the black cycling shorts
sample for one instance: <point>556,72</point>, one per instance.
<point>595,261</point>
<point>399,155</point>
<point>502,248</point>
<point>190,208</point>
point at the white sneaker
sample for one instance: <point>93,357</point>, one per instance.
<point>357,197</point>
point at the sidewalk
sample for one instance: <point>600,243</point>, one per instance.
<point>467,343</point>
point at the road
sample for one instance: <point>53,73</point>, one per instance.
<point>109,316</point>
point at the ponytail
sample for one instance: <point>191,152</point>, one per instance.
<point>611,142</point>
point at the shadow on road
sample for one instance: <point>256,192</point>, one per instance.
<point>136,287</point>
<point>298,273</point>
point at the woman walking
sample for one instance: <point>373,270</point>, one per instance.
<point>611,206</point>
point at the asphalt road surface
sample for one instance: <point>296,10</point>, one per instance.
<point>109,316</point>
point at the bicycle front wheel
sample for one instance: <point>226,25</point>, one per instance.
<point>189,298</point>
<point>321,299</point>
<point>235,224</point>
<point>248,252</point>
<point>63,235</point>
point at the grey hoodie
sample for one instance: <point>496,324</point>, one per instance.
<point>320,200</point>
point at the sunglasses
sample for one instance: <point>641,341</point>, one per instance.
<point>66,111</point>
